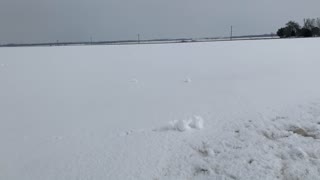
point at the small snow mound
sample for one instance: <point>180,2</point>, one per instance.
<point>134,80</point>
<point>182,125</point>
<point>187,80</point>
<point>197,122</point>
<point>2,65</point>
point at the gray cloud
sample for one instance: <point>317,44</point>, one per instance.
<point>78,20</point>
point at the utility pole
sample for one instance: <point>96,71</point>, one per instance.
<point>231,33</point>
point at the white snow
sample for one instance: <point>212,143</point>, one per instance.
<point>187,80</point>
<point>134,80</point>
<point>196,122</point>
<point>181,125</point>
<point>252,111</point>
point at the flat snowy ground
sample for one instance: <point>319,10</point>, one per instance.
<point>136,112</point>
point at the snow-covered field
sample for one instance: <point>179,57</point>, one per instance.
<point>223,110</point>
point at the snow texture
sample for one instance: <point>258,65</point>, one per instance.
<point>251,112</point>
<point>187,80</point>
<point>196,122</point>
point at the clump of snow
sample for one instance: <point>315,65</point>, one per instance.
<point>197,122</point>
<point>187,80</point>
<point>182,125</point>
<point>134,80</point>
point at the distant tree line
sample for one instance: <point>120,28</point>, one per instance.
<point>311,28</point>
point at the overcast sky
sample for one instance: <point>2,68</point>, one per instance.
<point>25,21</point>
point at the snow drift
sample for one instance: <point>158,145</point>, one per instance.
<point>251,111</point>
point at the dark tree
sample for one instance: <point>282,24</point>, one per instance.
<point>305,32</point>
<point>293,33</point>
<point>280,32</point>
<point>311,27</point>
<point>315,31</point>
<point>293,26</point>
<point>292,29</point>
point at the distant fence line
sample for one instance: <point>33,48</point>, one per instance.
<point>153,41</point>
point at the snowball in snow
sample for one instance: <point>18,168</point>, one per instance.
<point>182,125</point>
<point>187,80</point>
<point>134,80</point>
<point>197,122</point>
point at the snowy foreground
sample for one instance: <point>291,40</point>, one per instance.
<point>223,110</point>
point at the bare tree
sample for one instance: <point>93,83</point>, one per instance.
<point>318,22</point>
<point>309,23</point>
